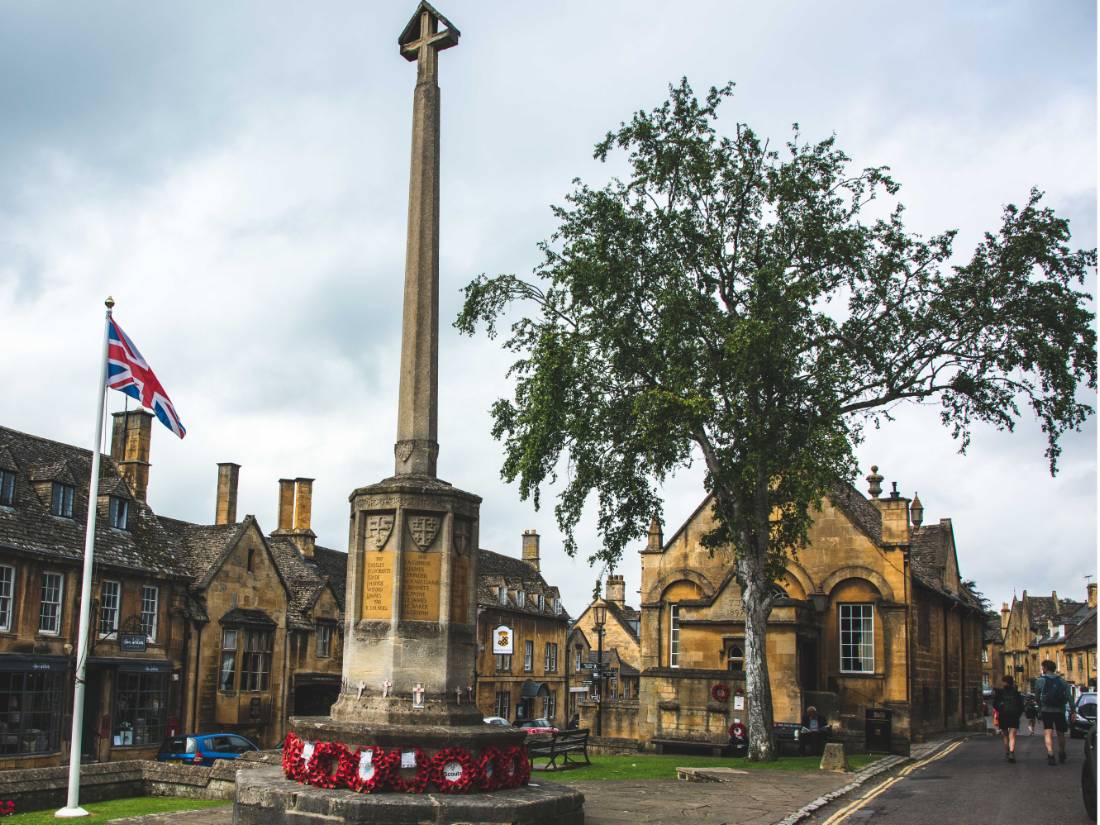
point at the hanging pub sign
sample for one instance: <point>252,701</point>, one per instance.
<point>502,639</point>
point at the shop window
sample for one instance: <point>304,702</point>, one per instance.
<point>7,488</point>
<point>119,513</point>
<point>674,635</point>
<point>49,615</point>
<point>324,640</point>
<point>30,717</point>
<point>551,658</point>
<point>61,500</point>
<point>7,596</point>
<point>140,703</point>
<point>150,599</point>
<point>109,594</point>
<point>528,656</point>
<point>227,675</point>
<point>256,660</point>
<point>857,638</point>
<point>503,705</point>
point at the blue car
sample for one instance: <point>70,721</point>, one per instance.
<point>204,748</point>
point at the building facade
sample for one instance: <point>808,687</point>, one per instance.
<point>195,628</point>
<point>530,681</point>
<point>871,615</point>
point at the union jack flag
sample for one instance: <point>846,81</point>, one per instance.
<point>128,372</point>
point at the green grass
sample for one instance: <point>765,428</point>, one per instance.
<point>116,809</point>
<point>647,766</point>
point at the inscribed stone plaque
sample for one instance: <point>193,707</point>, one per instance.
<point>420,586</point>
<point>377,585</point>
<point>460,589</point>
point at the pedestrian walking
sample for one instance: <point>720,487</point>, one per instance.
<point>1053,694</point>
<point>1031,711</point>
<point>1009,705</point>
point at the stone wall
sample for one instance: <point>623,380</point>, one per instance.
<point>45,788</point>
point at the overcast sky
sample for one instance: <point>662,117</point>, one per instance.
<point>236,176</point>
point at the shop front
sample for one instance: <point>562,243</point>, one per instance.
<point>33,694</point>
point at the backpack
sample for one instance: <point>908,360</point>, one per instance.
<point>1054,693</point>
<point>1012,705</point>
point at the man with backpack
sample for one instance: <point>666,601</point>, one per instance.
<point>1053,696</point>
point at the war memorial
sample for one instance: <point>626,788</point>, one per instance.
<point>405,742</point>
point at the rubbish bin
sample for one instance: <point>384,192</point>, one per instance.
<point>878,725</point>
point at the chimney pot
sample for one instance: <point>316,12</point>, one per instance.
<point>225,508</point>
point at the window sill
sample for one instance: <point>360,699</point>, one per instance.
<point>844,674</point>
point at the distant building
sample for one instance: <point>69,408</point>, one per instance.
<point>1035,629</point>
<point>530,681</point>
<point>993,667</point>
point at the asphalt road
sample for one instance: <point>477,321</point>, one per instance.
<point>974,785</point>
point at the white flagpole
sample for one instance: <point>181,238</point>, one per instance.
<point>72,806</point>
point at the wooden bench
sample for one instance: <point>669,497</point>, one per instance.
<point>561,744</point>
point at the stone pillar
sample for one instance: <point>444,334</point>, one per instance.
<point>225,507</point>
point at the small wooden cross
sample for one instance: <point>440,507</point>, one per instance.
<point>421,39</point>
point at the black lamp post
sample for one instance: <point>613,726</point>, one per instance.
<point>599,613</point>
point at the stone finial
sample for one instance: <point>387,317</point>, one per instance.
<point>874,482</point>
<point>656,538</point>
<point>916,510</point>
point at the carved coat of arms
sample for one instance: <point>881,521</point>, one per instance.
<point>378,531</point>
<point>423,530</point>
<point>461,536</point>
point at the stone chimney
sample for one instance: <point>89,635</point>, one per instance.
<point>1006,611</point>
<point>131,432</point>
<point>296,510</point>
<point>656,540</point>
<point>616,589</point>
<point>225,508</point>
<point>1092,594</point>
<point>894,510</point>
<point>531,548</point>
<point>286,504</point>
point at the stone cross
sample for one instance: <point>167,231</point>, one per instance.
<point>359,688</point>
<point>417,446</point>
<point>458,695</point>
<point>418,696</point>
<point>386,686</point>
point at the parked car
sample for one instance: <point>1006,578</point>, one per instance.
<point>204,748</point>
<point>1084,714</point>
<point>1088,773</point>
<point>496,720</point>
<point>536,725</point>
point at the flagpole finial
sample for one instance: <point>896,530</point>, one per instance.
<point>110,302</point>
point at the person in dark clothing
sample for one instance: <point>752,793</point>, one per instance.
<point>1009,705</point>
<point>1031,711</point>
<point>1053,695</point>
<point>574,723</point>
<point>813,733</point>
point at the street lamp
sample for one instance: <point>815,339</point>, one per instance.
<point>599,613</point>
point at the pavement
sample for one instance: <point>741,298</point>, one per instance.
<point>971,785</point>
<point>959,782</point>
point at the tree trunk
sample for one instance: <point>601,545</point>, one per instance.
<point>756,597</point>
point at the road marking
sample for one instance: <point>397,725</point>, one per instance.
<point>882,787</point>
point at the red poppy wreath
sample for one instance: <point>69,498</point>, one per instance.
<point>454,770</point>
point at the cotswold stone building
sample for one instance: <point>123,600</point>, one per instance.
<point>194,627</point>
<point>531,681</point>
<point>872,616</point>
<point>1037,628</point>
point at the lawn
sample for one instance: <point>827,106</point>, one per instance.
<point>116,809</point>
<point>647,766</point>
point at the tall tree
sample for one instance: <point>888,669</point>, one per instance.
<point>737,303</point>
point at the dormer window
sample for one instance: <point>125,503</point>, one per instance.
<point>119,512</point>
<point>521,598</point>
<point>61,500</point>
<point>538,601</point>
<point>502,594</point>
<point>7,488</point>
